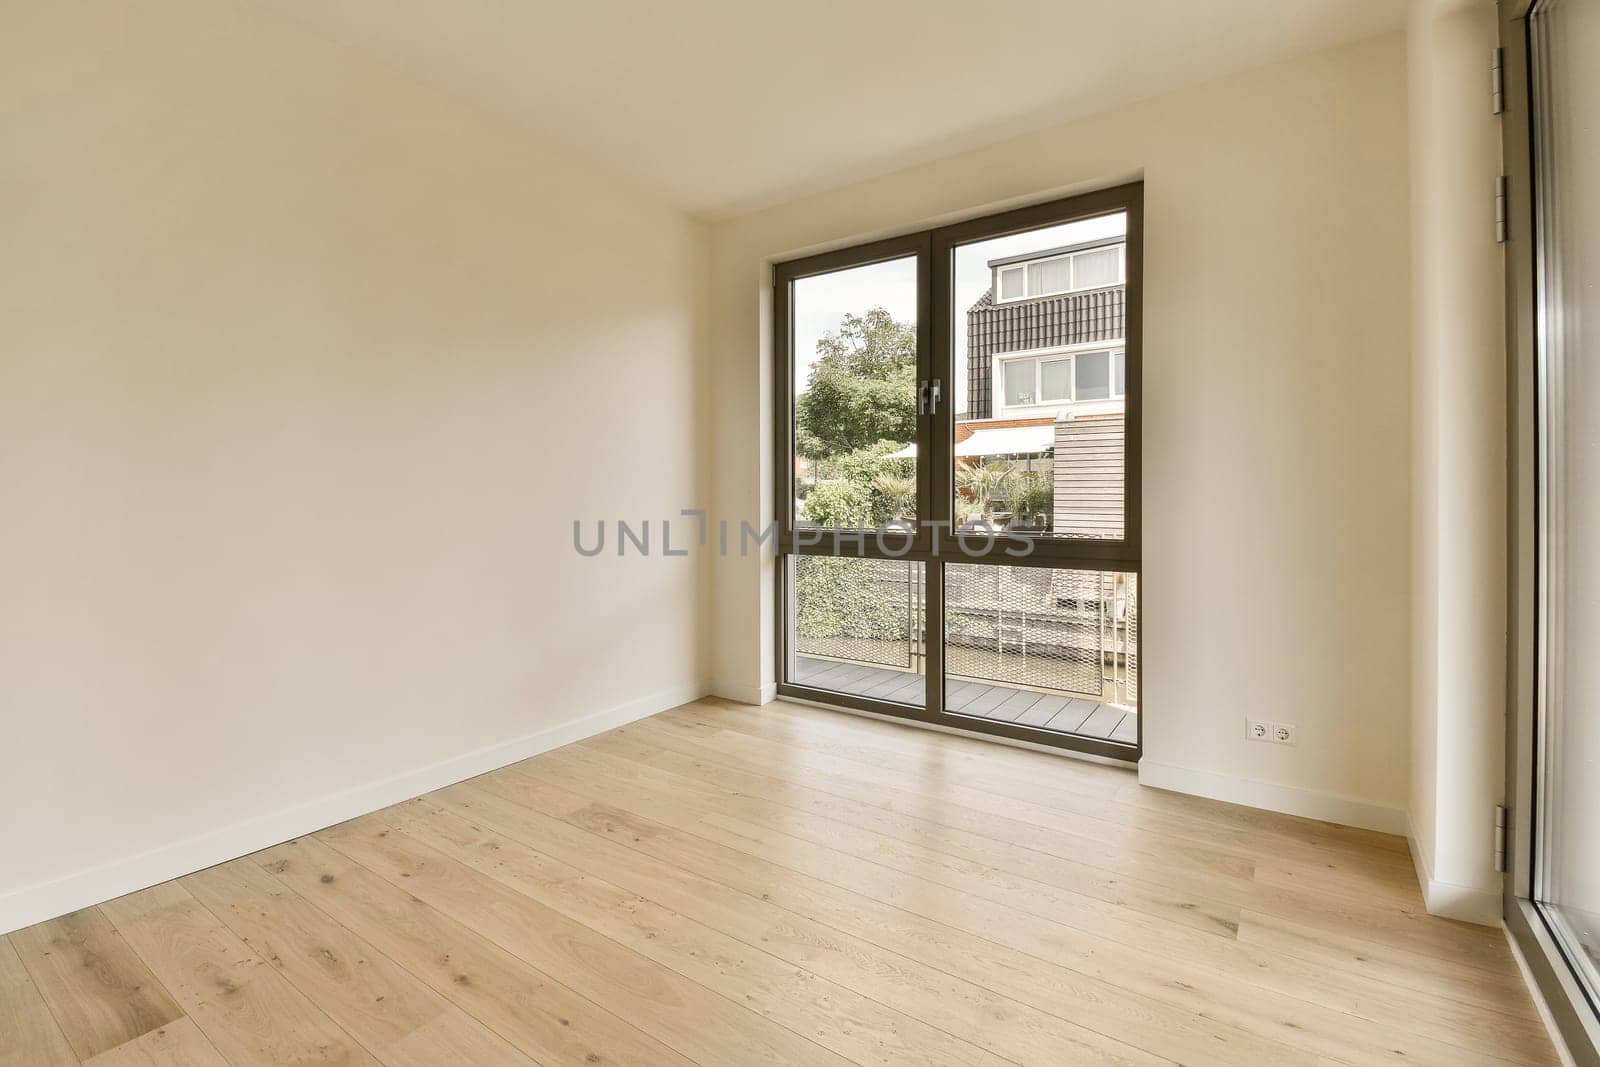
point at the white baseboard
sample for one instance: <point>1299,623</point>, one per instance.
<point>1447,899</point>
<point>745,694</point>
<point>36,903</point>
<point>1289,800</point>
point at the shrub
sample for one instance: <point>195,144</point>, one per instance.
<point>1032,496</point>
<point>839,504</point>
<point>838,597</point>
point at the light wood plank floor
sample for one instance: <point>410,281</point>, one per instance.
<point>730,885</point>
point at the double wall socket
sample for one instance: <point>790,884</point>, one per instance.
<point>1279,733</point>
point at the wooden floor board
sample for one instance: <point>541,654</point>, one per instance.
<point>247,1010</point>
<point>523,1003</point>
<point>1407,926</point>
<point>1142,997</point>
<point>29,1034</point>
<point>650,916</point>
<point>98,989</point>
<point>741,812</point>
<point>1028,781</point>
<point>699,1022</point>
<point>1296,898</point>
<point>1108,933</point>
<point>723,884</point>
<point>175,1044</point>
<point>961,1015</point>
<point>375,1000</point>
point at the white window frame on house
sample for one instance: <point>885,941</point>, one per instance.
<point>1073,287</point>
<point>1066,353</point>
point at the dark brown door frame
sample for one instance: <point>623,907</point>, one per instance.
<point>935,439</point>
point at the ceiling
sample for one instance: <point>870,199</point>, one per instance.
<point>728,105</point>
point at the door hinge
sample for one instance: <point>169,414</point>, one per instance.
<point>1497,80</point>
<point>1502,815</point>
<point>1502,211</point>
<point>928,396</point>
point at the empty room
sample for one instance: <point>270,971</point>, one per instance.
<point>747,533</point>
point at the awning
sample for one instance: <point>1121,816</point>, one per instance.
<point>908,452</point>
<point>1009,441</point>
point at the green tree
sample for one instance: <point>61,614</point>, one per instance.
<point>862,387</point>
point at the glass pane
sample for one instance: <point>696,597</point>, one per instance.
<point>1019,381</point>
<point>1091,270</point>
<point>1051,276</point>
<point>1064,449</point>
<point>1055,378</point>
<point>856,627</point>
<point>1120,372</point>
<point>1011,284</point>
<point>1566,39</point>
<point>1046,647</point>
<point>1094,375</point>
<point>855,389</point>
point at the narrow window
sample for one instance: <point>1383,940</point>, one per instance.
<point>1097,269</point>
<point>1093,376</point>
<point>1011,283</point>
<point>1049,276</point>
<point>1019,382</point>
<point>1055,380</point>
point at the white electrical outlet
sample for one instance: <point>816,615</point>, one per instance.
<point>1257,731</point>
<point>1283,733</point>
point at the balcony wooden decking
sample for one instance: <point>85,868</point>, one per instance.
<point>1052,711</point>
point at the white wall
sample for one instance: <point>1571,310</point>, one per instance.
<point>1277,429</point>
<point>1458,461</point>
<point>298,361</point>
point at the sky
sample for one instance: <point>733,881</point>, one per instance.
<point>821,302</point>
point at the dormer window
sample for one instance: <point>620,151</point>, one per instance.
<point>1064,272</point>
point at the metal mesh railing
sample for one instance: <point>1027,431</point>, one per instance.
<point>1069,631</point>
<point>1045,628</point>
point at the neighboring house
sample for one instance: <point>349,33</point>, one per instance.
<point>1045,378</point>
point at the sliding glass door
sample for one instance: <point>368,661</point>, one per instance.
<point>957,433</point>
<point>1566,39</point>
<point>1553,764</point>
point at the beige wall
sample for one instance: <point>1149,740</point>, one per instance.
<point>305,371</point>
<point>1277,428</point>
<point>1458,460</point>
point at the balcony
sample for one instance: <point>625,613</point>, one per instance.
<point>1044,647</point>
